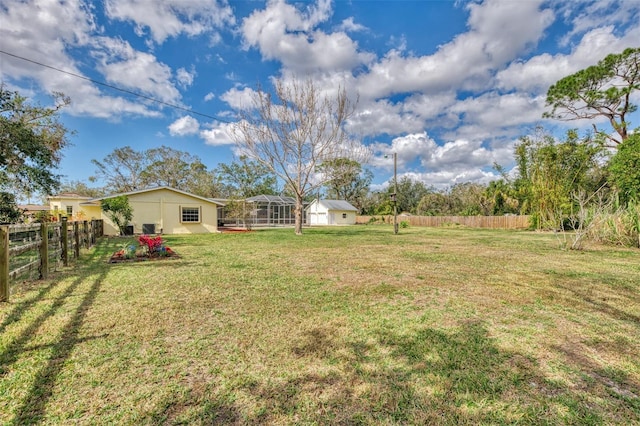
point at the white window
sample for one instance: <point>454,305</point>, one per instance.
<point>344,215</point>
<point>70,210</point>
<point>190,214</point>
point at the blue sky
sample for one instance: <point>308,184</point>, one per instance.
<point>449,86</point>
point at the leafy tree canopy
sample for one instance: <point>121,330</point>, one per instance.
<point>600,91</point>
<point>246,178</point>
<point>346,180</point>
<point>121,170</point>
<point>551,172</point>
<point>624,168</point>
<point>410,192</point>
<point>126,170</point>
<point>119,211</point>
<point>9,212</point>
<point>31,143</point>
<point>81,188</point>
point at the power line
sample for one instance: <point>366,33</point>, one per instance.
<point>139,95</point>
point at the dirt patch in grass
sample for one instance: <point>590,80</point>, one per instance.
<point>226,230</point>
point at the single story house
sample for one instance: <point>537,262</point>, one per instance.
<point>160,210</point>
<point>331,212</point>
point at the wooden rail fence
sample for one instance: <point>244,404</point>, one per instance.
<point>32,251</point>
<point>494,222</point>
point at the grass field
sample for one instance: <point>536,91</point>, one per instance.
<point>350,325</point>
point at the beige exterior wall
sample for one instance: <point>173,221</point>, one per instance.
<point>161,207</point>
<point>58,206</point>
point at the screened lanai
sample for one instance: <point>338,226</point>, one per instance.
<point>262,210</point>
<point>271,210</point>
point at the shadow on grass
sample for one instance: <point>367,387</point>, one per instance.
<point>428,377</point>
<point>584,295</point>
<point>615,381</point>
<point>21,308</point>
<point>32,408</point>
<point>197,406</point>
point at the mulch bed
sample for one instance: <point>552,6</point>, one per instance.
<point>117,258</point>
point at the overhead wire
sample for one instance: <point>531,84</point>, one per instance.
<point>101,83</point>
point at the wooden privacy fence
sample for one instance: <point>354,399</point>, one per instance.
<point>32,251</point>
<point>493,222</point>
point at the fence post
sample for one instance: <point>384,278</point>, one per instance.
<point>93,232</point>
<point>85,233</point>
<point>76,237</point>
<point>4,263</point>
<point>44,251</point>
<point>64,235</point>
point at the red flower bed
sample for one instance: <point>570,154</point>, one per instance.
<point>148,248</point>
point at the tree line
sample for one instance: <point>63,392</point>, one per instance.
<point>293,143</point>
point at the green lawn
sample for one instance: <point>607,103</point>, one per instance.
<point>350,325</point>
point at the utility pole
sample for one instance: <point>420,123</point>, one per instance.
<point>394,195</point>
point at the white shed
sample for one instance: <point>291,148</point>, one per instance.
<point>331,212</point>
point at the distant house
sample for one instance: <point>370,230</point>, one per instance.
<point>331,212</point>
<point>68,204</point>
<point>161,210</point>
<point>31,211</point>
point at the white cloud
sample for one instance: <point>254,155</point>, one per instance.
<point>494,111</point>
<point>132,69</point>
<point>349,25</point>
<point>498,32</point>
<point>231,76</point>
<point>184,77</point>
<point>287,34</point>
<point>431,106</point>
<point>407,149</point>
<point>184,126</point>
<point>217,134</point>
<point>598,13</point>
<point>455,161</point>
<point>209,96</point>
<point>383,117</point>
<point>444,179</point>
<point>540,72</point>
<point>43,31</point>
<point>239,99</point>
<point>170,18</point>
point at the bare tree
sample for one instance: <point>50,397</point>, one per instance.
<point>121,170</point>
<point>294,131</point>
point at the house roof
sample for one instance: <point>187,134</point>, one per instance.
<point>68,195</point>
<point>33,207</point>
<point>341,205</point>
<point>157,188</point>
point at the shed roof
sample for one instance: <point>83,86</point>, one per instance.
<point>341,205</point>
